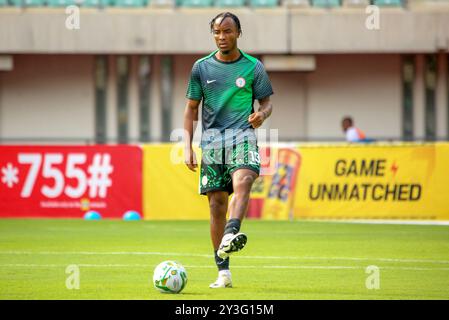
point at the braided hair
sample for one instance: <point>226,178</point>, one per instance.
<point>225,15</point>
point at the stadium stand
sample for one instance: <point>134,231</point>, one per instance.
<point>196,3</point>
<point>97,3</point>
<point>356,3</point>
<point>61,3</point>
<point>131,3</point>
<point>217,3</point>
<point>28,3</point>
<point>386,3</point>
<point>326,3</point>
<point>162,3</point>
<point>263,3</point>
<point>296,3</point>
<point>230,3</point>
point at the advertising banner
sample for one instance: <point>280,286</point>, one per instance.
<point>281,190</point>
<point>170,189</point>
<point>402,181</point>
<point>260,187</point>
<point>67,181</point>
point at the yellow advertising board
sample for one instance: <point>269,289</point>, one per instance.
<point>170,189</point>
<point>388,181</point>
<point>339,181</point>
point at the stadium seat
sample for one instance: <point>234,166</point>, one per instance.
<point>230,3</point>
<point>197,3</point>
<point>28,3</point>
<point>356,3</point>
<point>296,3</point>
<point>61,3</point>
<point>131,3</point>
<point>326,3</point>
<point>263,3</point>
<point>386,3</point>
<point>97,3</point>
<point>162,3</point>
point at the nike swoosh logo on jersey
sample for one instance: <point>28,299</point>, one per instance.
<point>210,81</point>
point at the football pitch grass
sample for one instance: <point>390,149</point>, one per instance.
<point>282,260</point>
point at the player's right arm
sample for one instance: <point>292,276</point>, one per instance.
<point>190,121</point>
<point>194,96</point>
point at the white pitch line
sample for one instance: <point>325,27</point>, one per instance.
<point>21,265</point>
<point>175,254</point>
<point>81,265</point>
<point>387,221</point>
<point>381,259</point>
<point>105,253</point>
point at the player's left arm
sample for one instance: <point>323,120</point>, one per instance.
<point>262,91</point>
<point>265,108</point>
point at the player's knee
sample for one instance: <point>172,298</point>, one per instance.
<point>217,207</point>
<point>244,183</point>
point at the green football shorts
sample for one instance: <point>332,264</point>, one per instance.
<point>218,165</point>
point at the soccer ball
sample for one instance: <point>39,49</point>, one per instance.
<point>170,277</point>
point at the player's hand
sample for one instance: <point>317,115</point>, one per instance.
<point>190,159</point>
<point>256,119</point>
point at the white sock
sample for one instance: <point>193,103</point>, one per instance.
<point>225,273</point>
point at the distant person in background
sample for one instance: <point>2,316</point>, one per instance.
<point>353,134</point>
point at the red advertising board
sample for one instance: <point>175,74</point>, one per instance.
<point>67,181</point>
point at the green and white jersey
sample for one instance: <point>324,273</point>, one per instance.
<point>228,91</point>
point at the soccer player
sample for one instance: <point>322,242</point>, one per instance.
<point>227,81</point>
